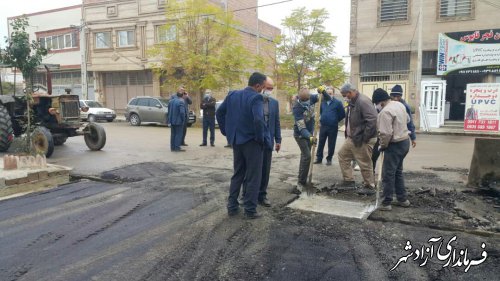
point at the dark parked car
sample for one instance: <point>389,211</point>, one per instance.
<point>151,110</point>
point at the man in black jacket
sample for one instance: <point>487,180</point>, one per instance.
<point>208,106</point>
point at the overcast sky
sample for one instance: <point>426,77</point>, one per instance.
<point>338,23</point>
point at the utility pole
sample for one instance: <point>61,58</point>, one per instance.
<point>83,51</point>
<point>418,76</point>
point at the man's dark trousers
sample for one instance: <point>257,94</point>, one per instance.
<point>375,155</point>
<point>175,137</point>
<point>330,133</point>
<point>305,158</point>
<point>247,159</point>
<point>392,171</point>
<point>208,123</point>
<point>184,131</point>
<point>266,170</point>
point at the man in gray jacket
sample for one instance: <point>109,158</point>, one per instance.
<point>360,133</point>
<point>394,141</point>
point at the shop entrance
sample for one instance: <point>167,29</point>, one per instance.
<point>456,85</point>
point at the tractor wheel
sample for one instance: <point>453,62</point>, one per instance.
<point>60,140</point>
<point>6,132</point>
<point>42,141</point>
<point>95,136</point>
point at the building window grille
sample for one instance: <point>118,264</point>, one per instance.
<point>167,33</point>
<point>103,40</point>
<point>126,38</point>
<point>455,8</point>
<point>59,42</point>
<point>393,10</point>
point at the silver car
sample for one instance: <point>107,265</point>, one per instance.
<point>150,110</point>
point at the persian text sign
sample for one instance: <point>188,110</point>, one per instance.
<point>471,52</point>
<point>482,107</point>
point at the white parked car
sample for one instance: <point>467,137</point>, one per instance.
<point>96,112</point>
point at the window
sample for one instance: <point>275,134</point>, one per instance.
<point>393,10</point>
<point>126,38</point>
<point>154,103</point>
<point>103,40</point>
<point>143,102</point>
<point>384,62</point>
<point>166,33</point>
<point>133,102</point>
<point>455,8</point>
<point>59,42</point>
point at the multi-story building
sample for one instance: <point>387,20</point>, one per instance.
<point>384,44</point>
<point>59,31</point>
<point>119,34</point>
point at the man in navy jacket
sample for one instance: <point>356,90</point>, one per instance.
<point>241,120</point>
<point>332,112</point>
<point>272,119</point>
<point>176,118</point>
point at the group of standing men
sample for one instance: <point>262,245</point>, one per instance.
<point>249,119</point>
<point>382,124</point>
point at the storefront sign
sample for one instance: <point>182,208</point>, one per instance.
<point>473,52</point>
<point>482,107</point>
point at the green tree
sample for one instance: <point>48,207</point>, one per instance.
<point>25,56</point>
<point>21,53</point>
<point>305,53</point>
<point>201,48</point>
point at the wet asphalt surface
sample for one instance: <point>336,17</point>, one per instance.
<point>166,220</point>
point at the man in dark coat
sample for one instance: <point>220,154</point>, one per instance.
<point>208,106</point>
<point>187,101</point>
<point>176,118</point>
<point>241,120</point>
<point>332,112</point>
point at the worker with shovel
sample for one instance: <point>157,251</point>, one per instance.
<point>304,115</point>
<point>394,143</point>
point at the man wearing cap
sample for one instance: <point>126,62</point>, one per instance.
<point>397,95</point>
<point>360,133</point>
<point>332,112</point>
<point>208,106</point>
<point>395,143</point>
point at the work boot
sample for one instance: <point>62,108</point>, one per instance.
<point>297,189</point>
<point>233,213</point>
<point>385,207</point>
<point>252,216</point>
<point>404,204</point>
<point>179,150</point>
<point>328,162</point>
<point>228,146</point>
<point>212,144</point>
<point>184,144</point>
<point>265,202</point>
<point>203,144</point>
<point>318,161</point>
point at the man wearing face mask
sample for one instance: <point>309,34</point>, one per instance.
<point>395,143</point>
<point>241,120</point>
<point>332,112</point>
<point>187,101</point>
<point>208,106</point>
<point>303,113</point>
<point>272,119</point>
<point>361,132</point>
<point>176,118</point>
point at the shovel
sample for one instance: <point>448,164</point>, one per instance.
<point>379,179</point>
<point>313,148</point>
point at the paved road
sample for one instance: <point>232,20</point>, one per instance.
<point>170,224</point>
<point>128,145</point>
<point>167,221</point>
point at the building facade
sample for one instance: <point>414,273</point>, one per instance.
<point>59,31</point>
<point>384,48</point>
<point>119,34</point>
